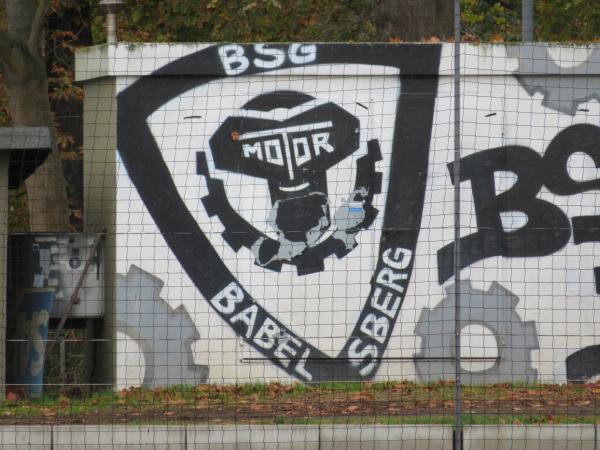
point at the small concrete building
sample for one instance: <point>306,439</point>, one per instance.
<point>284,211</point>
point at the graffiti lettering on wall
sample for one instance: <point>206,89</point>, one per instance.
<point>547,229</point>
<point>291,139</point>
<point>238,59</point>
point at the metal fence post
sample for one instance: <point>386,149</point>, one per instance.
<point>458,426</point>
<point>527,20</point>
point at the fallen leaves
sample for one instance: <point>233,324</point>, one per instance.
<point>64,402</point>
<point>281,402</point>
<point>276,389</point>
<point>12,397</point>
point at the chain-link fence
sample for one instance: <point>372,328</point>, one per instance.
<point>300,245</point>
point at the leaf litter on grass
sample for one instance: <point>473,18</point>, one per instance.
<point>385,402</point>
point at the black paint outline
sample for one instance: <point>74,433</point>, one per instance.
<point>419,66</point>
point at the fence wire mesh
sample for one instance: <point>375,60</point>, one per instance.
<point>303,245</point>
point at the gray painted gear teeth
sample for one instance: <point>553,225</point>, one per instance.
<point>563,94</point>
<point>164,335</point>
<point>494,309</point>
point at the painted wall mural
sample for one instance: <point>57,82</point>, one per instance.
<point>164,336</point>
<point>296,200</point>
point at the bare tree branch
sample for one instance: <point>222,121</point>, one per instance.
<point>33,43</point>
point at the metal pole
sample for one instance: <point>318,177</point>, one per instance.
<point>111,8</point>
<point>527,20</point>
<point>111,28</point>
<point>62,359</point>
<point>458,425</point>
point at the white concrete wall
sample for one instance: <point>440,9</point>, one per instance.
<point>554,309</point>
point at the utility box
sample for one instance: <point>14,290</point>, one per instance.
<point>44,271</point>
<point>22,149</point>
<point>56,261</point>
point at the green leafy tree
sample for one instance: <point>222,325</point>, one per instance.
<point>244,21</point>
<point>556,20</point>
<point>491,20</point>
<point>572,20</point>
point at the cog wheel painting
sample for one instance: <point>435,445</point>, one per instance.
<point>493,309</point>
<point>355,214</point>
<point>164,335</point>
<point>563,94</point>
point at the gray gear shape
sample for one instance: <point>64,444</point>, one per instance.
<point>494,309</point>
<point>538,72</point>
<point>164,335</point>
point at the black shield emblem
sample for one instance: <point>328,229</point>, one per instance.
<point>293,155</point>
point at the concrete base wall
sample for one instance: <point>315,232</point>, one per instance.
<point>330,437</point>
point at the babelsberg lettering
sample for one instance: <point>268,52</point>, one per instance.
<point>249,320</point>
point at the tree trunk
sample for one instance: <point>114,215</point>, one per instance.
<point>414,20</point>
<point>27,89</point>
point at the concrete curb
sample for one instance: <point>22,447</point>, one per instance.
<point>525,437</point>
<point>37,437</point>
<point>139,437</point>
<point>249,437</point>
<point>306,437</point>
<point>375,437</point>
